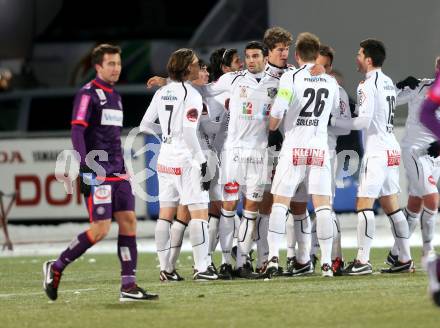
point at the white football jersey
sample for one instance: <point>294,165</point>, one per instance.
<point>249,107</point>
<point>376,99</point>
<point>212,130</point>
<point>177,105</point>
<point>342,111</point>
<point>307,101</point>
<point>416,135</point>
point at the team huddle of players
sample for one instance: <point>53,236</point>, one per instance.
<point>267,134</point>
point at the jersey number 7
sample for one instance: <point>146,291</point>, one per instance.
<point>169,108</point>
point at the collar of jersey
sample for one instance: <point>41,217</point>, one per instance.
<point>275,70</point>
<point>102,85</point>
<point>257,75</point>
<point>370,73</point>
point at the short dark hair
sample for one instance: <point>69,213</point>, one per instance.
<point>307,46</point>
<point>275,35</point>
<point>179,62</point>
<point>99,51</point>
<point>327,52</point>
<point>219,57</point>
<point>258,45</point>
<point>375,50</point>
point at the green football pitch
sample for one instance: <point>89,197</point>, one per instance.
<point>88,297</point>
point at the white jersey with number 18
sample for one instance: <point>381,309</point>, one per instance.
<point>376,98</point>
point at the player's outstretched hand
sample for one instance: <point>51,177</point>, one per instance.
<point>434,149</point>
<point>156,81</point>
<point>275,138</point>
<point>86,176</point>
<point>203,171</point>
<point>410,81</point>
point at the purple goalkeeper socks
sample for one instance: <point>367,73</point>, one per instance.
<point>127,253</point>
<point>77,247</point>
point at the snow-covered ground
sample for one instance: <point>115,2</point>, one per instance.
<point>52,239</point>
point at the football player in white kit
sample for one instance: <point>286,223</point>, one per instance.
<point>325,58</point>
<point>181,164</point>
<point>422,171</point>
<point>183,216</point>
<point>306,102</point>
<point>379,174</point>
<point>244,155</point>
<point>278,40</point>
<point>221,61</point>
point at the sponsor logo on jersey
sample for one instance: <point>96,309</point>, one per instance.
<point>393,157</point>
<point>169,170</point>
<point>272,92</point>
<point>231,187</point>
<point>308,156</point>
<point>431,180</point>
<point>247,108</point>
<point>111,117</point>
<point>192,115</point>
<point>248,159</point>
<point>82,108</point>
<point>266,109</point>
<point>102,194</point>
<point>314,79</point>
<point>169,96</point>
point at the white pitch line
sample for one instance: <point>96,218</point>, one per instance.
<point>42,293</point>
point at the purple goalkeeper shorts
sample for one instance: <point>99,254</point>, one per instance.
<point>113,195</point>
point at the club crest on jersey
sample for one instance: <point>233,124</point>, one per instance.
<point>431,180</point>
<point>272,92</point>
<point>192,115</point>
<point>247,108</point>
<point>243,92</point>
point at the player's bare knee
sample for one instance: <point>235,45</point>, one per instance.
<point>251,205</point>
<point>229,205</point>
<point>198,211</point>
<point>431,201</point>
<point>364,203</point>
<point>415,204</point>
<point>99,230</point>
<point>298,208</point>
